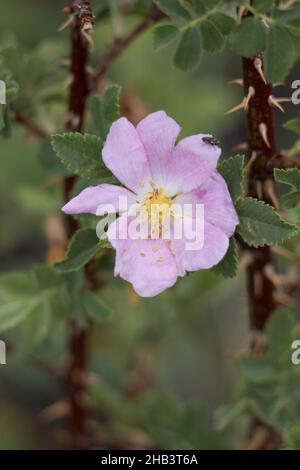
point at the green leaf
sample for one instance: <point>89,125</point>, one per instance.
<point>280,54</point>
<point>80,153</point>
<point>95,307</point>
<point>232,170</point>
<point>248,38</point>
<point>224,23</point>
<point>262,6</point>
<point>213,40</point>
<point>280,333</point>
<point>227,414</point>
<point>293,125</point>
<point>13,313</point>
<point>290,177</point>
<point>173,8</point>
<point>26,294</point>
<point>105,110</point>
<point>189,50</point>
<point>261,225</point>
<point>83,247</point>
<point>228,265</point>
<point>164,34</point>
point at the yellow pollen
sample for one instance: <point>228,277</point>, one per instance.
<point>160,259</point>
<point>142,254</point>
<point>157,207</point>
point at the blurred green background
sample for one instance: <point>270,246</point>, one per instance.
<point>162,366</point>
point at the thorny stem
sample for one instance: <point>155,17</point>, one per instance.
<point>82,15</point>
<point>261,290</point>
<point>261,155</point>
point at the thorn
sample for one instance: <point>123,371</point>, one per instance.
<point>236,81</point>
<point>264,133</point>
<point>68,81</point>
<point>250,94</point>
<point>240,147</point>
<point>64,63</point>
<point>251,160</point>
<point>265,22</point>
<point>283,298</point>
<point>241,11</point>
<point>274,102</point>
<point>271,274</point>
<point>91,71</point>
<point>259,189</point>
<point>269,188</point>
<point>246,260</point>
<point>244,103</point>
<point>259,67</point>
<point>284,252</point>
<point>284,100</point>
<point>236,108</point>
<point>66,24</point>
<point>89,40</point>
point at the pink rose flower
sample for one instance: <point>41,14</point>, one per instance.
<point>157,172</point>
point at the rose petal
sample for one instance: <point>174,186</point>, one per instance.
<point>148,265</point>
<point>158,133</point>
<point>218,206</point>
<point>124,154</point>
<point>105,198</point>
<point>193,162</point>
<point>214,249</point>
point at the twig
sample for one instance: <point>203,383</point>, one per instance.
<point>119,44</point>
<point>33,128</point>
<point>81,16</point>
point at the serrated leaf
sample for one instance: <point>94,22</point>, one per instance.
<point>213,40</point>
<point>228,265</point>
<point>290,177</point>
<point>224,23</point>
<point>232,170</point>
<point>95,307</point>
<point>261,225</point>
<point>173,8</point>
<point>80,153</point>
<point>105,109</point>
<point>248,38</point>
<point>280,54</point>
<point>189,50</point>
<point>83,247</point>
<point>164,34</point>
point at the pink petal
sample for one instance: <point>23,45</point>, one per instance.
<point>100,200</point>
<point>148,265</point>
<point>214,249</point>
<point>158,133</point>
<point>124,154</point>
<point>193,162</point>
<point>218,206</point>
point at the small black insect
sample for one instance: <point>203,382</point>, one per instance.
<point>211,141</point>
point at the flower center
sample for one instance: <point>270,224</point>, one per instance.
<point>157,209</point>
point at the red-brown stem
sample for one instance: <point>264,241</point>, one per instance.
<point>260,289</point>
<point>78,338</point>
